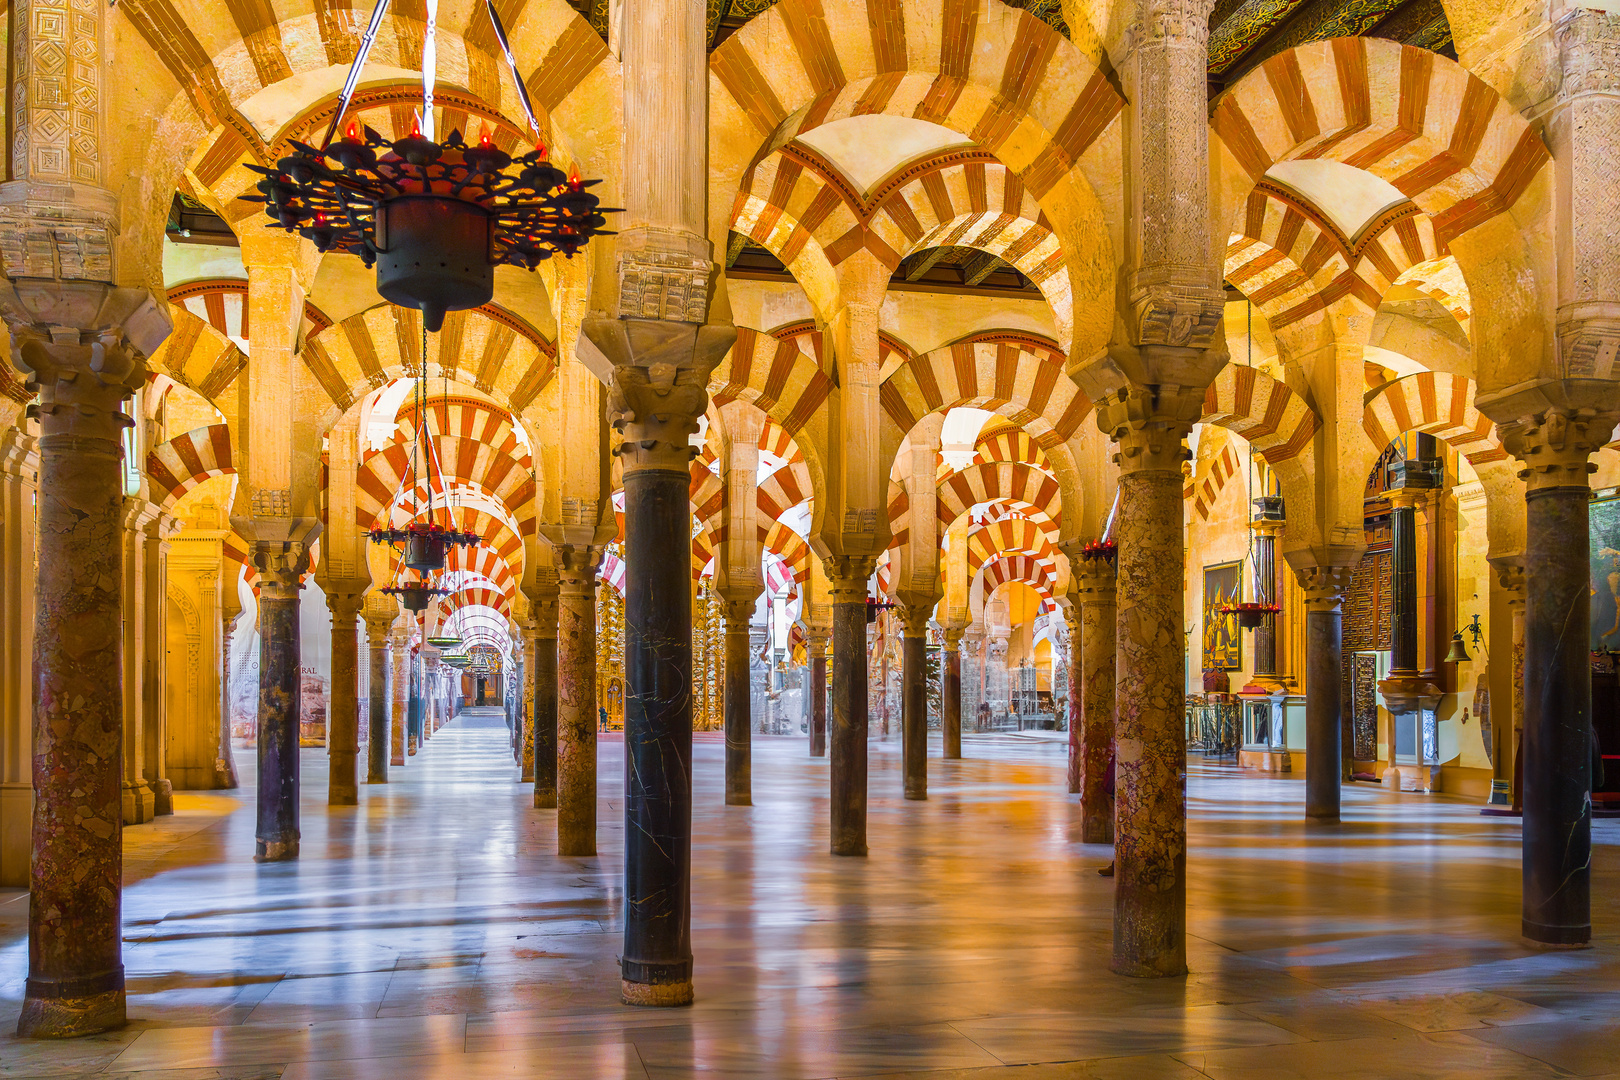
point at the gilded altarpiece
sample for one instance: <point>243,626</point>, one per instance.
<point>194,636</point>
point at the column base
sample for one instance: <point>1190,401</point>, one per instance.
<point>739,800</point>
<point>576,850</point>
<point>1557,937</point>
<point>16,834</point>
<point>411,750</point>
<point>545,801</point>
<point>276,850</point>
<point>162,798</point>
<point>397,760</point>
<point>851,849</point>
<point>917,796</point>
<point>139,804</point>
<point>72,1017</point>
<point>656,995</point>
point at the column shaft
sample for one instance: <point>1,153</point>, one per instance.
<point>739,709</point>
<point>1099,626</point>
<point>400,697</point>
<point>849,715</point>
<point>818,699</point>
<point>657,963</point>
<point>1557,718</point>
<point>951,701</point>
<point>75,966</point>
<point>377,707</point>
<point>1403,614</point>
<point>1324,706</point>
<point>343,715</point>
<point>1150,812</point>
<point>1075,770</point>
<point>914,714</point>
<point>576,701</point>
<point>543,662</point>
<point>279,709</point>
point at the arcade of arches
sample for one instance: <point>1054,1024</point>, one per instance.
<point>999,443</point>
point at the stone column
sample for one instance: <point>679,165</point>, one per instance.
<point>19,487</point>
<point>400,641</point>
<point>1075,771</point>
<point>139,804</point>
<point>1094,587</point>
<point>281,566</point>
<point>951,694</point>
<point>75,980</point>
<point>542,665</point>
<point>1555,447</point>
<point>379,620</point>
<point>343,713</point>
<point>413,702</point>
<point>1324,588</point>
<point>816,646</point>
<point>847,576</point>
<point>1507,732</point>
<point>1150,810</point>
<point>576,699</point>
<point>914,699</point>
<point>230,608</point>
<point>154,664</point>
<point>739,703</point>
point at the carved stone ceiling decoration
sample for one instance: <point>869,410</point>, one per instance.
<point>1246,33</point>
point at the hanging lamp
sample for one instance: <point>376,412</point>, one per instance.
<point>435,219</point>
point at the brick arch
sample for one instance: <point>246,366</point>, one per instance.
<point>485,562</point>
<point>1009,444</point>
<point>775,439</point>
<point>1438,403</point>
<point>999,482</point>
<point>1003,569</point>
<point>477,596</point>
<point>198,356</point>
<point>489,348</point>
<point>1008,536</point>
<point>1437,133</point>
<point>797,205</point>
<point>774,373</point>
<point>185,461</point>
<point>1250,403</point>
<point>999,76</point>
<point>468,428</point>
<point>497,475</point>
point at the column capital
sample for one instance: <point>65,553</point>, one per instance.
<point>915,618</point>
<point>281,565</point>
<point>1093,581</point>
<point>379,625</point>
<point>344,599</point>
<point>1555,446</point>
<point>660,384</point>
<point>953,638</point>
<point>576,568</point>
<point>19,455</point>
<point>815,641</point>
<point>1324,586</point>
<point>1149,427</point>
<point>543,595</point>
<point>847,576</point>
<point>1510,577</point>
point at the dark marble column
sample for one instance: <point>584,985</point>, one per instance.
<point>1557,856</point>
<point>657,959</point>
<point>1324,588</point>
<point>1403,606</point>
<point>281,565</point>
<point>951,695</point>
<point>576,699</point>
<point>542,663</point>
<point>914,700</point>
<point>413,705</point>
<point>75,980</point>
<point>1150,810</point>
<point>1075,771</point>
<point>343,712</point>
<point>739,703</point>
<point>1094,590</point>
<point>847,577</point>
<point>817,647</point>
<point>377,629</point>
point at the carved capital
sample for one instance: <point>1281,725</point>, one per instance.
<point>19,455</point>
<point>1181,315</point>
<point>739,613</point>
<point>1588,52</point>
<point>281,565</point>
<point>1172,21</point>
<point>660,385</point>
<point>1092,581</point>
<point>1324,586</point>
<point>1509,570</point>
<point>1150,436</point>
<point>847,576</point>
<point>953,638</point>
<point>915,618</point>
<point>542,593</point>
<point>1556,445</point>
<point>344,599</point>
<point>576,568</point>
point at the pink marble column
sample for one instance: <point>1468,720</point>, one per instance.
<point>576,699</point>
<point>75,966</point>
<point>1094,595</point>
<point>1150,811</point>
<point>343,717</point>
<point>400,650</point>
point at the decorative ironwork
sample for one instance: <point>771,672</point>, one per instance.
<point>415,596</point>
<point>426,543</point>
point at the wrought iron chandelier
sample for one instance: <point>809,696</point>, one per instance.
<point>415,596</point>
<point>435,219</point>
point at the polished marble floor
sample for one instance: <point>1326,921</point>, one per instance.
<point>433,932</point>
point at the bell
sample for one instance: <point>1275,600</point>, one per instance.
<point>1458,654</point>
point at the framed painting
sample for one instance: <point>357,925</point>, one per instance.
<point>1223,645</point>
